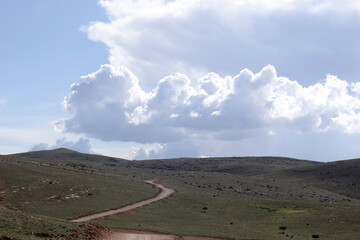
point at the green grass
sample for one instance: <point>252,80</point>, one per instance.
<point>15,224</point>
<point>255,205</point>
<point>241,217</point>
<point>63,155</point>
<point>66,194</point>
<point>246,166</point>
<point>247,198</point>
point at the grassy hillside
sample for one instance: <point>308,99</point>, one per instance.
<point>32,189</point>
<point>65,194</point>
<point>16,225</point>
<point>234,165</point>
<point>249,207</point>
<point>66,155</point>
<point>342,177</point>
<point>198,212</point>
<point>249,197</point>
<point>19,225</point>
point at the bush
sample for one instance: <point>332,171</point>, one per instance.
<point>282,228</point>
<point>315,236</point>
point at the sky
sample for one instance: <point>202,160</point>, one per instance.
<point>143,79</point>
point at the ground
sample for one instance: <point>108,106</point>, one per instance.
<point>244,198</point>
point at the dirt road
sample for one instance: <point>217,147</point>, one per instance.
<point>165,192</point>
<point>129,234</point>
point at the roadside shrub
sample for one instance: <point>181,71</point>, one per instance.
<point>282,228</point>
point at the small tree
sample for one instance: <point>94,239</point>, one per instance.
<point>282,228</point>
<point>315,236</point>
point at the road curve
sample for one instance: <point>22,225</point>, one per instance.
<point>165,192</point>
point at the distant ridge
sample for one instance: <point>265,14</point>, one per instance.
<point>64,154</point>
<point>233,165</point>
<point>342,177</point>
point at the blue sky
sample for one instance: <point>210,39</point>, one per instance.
<point>154,78</point>
<point>43,52</point>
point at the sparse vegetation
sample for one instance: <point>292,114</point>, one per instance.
<point>230,197</point>
<point>282,228</point>
<point>315,236</point>
<point>66,194</point>
<point>18,225</point>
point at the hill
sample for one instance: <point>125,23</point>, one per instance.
<point>63,154</point>
<point>239,197</point>
<point>342,177</point>
<point>38,198</point>
<point>235,165</point>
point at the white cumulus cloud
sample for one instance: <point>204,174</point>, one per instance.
<point>156,38</point>
<point>173,77</point>
<point>110,105</point>
<point>183,148</point>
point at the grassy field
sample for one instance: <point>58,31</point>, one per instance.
<point>66,194</point>
<point>250,198</point>
<point>16,224</point>
<point>252,214</point>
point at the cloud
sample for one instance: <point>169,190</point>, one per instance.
<point>156,38</point>
<point>326,146</point>
<point>82,145</point>
<point>110,105</point>
<point>142,153</point>
<point>184,148</point>
<point>173,77</point>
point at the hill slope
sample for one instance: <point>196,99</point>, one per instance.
<point>247,197</point>
<point>234,165</point>
<point>36,196</point>
<point>63,155</point>
<point>342,177</point>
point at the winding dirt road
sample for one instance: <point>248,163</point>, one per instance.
<point>165,192</point>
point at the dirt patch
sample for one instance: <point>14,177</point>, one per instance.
<point>165,192</point>
<point>129,234</point>
<point>138,236</point>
